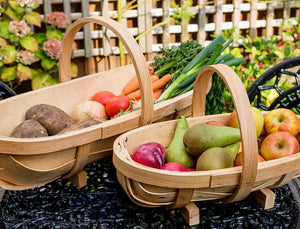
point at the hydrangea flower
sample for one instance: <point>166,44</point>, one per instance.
<point>28,3</point>
<point>25,57</point>
<point>19,28</point>
<point>52,48</point>
<point>57,19</point>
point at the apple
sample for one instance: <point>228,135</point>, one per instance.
<point>239,159</point>
<point>173,166</point>
<point>258,120</point>
<point>282,119</point>
<point>215,123</point>
<point>279,144</point>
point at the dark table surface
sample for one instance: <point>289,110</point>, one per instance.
<point>104,204</point>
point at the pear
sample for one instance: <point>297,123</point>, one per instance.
<point>202,136</point>
<point>215,158</point>
<point>234,148</point>
<point>176,151</point>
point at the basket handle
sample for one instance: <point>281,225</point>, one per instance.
<point>245,118</point>
<point>133,49</point>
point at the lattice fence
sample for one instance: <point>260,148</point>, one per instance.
<point>256,18</point>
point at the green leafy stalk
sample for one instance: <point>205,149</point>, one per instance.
<point>193,67</point>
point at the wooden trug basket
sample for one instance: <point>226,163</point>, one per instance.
<point>152,187</point>
<point>30,162</point>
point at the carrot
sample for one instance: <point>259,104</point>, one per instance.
<point>155,85</point>
<point>133,84</point>
<point>157,93</point>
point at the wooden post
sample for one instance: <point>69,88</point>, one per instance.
<point>191,214</point>
<point>265,197</point>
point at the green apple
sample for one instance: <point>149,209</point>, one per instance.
<point>282,119</point>
<point>258,120</point>
<point>279,144</point>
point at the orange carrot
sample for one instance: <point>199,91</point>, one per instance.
<point>133,84</point>
<point>155,85</point>
<point>157,93</point>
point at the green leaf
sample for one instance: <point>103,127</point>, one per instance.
<point>287,51</point>
<point>42,80</point>
<point>29,43</point>
<point>9,74</point>
<point>13,3</point>
<point>33,18</point>
<point>3,43</point>
<point>279,53</point>
<point>13,14</point>
<point>48,63</point>
<point>54,34</point>
<point>24,72</point>
<point>4,25</point>
<point>20,10</point>
<point>40,37</point>
<point>74,70</point>
<point>9,53</point>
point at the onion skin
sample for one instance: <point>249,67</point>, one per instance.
<point>89,110</point>
<point>151,154</point>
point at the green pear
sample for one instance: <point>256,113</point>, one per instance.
<point>234,149</point>
<point>215,158</point>
<point>176,151</point>
<point>202,136</point>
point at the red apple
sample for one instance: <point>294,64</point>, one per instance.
<point>279,144</point>
<point>239,159</point>
<point>215,123</point>
<point>282,119</point>
<point>173,166</point>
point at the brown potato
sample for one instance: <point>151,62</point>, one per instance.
<point>80,125</point>
<point>51,117</point>
<point>29,129</point>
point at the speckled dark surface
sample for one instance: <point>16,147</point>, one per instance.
<point>104,204</point>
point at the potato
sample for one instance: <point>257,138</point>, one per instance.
<point>51,117</point>
<point>80,125</point>
<point>29,129</point>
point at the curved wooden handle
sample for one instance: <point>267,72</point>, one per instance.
<point>133,49</point>
<point>245,117</point>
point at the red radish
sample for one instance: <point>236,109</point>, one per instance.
<point>89,110</point>
<point>173,166</point>
<point>151,154</point>
<point>191,169</point>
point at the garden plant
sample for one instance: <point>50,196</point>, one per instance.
<point>26,53</point>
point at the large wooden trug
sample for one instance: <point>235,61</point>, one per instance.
<point>152,187</point>
<point>31,162</point>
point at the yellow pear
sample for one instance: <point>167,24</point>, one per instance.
<point>258,120</point>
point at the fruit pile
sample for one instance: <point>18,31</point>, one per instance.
<point>214,145</point>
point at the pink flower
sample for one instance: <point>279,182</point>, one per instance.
<point>52,48</point>
<point>28,3</point>
<point>19,28</point>
<point>25,57</point>
<point>57,19</point>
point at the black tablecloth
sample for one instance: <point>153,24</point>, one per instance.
<point>104,204</point>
